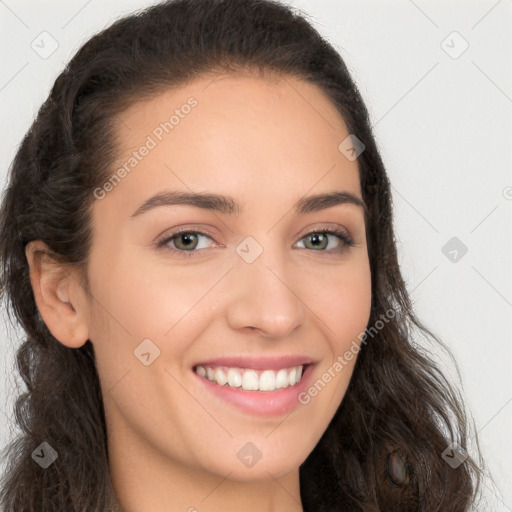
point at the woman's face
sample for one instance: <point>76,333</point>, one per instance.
<point>253,286</point>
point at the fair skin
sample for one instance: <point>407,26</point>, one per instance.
<point>265,142</point>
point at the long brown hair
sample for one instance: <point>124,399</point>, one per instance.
<point>398,401</point>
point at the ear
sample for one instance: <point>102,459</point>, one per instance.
<point>60,298</point>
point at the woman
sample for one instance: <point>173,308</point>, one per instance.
<point>261,370</point>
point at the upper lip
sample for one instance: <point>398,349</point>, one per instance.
<point>258,362</point>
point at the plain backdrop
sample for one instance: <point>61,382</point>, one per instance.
<point>437,79</point>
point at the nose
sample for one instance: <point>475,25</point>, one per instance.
<point>263,297</point>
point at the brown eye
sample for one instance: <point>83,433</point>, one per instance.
<point>189,240</point>
<point>185,242</point>
<point>320,240</point>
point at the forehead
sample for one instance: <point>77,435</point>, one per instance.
<point>233,133</point>
<point>254,91</point>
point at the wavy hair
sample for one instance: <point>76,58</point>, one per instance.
<point>382,451</point>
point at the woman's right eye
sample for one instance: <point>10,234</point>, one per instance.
<point>188,237</point>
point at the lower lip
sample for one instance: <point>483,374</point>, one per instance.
<point>261,403</point>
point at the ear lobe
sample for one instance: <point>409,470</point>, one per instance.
<point>59,297</point>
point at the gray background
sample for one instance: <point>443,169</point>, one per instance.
<point>443,122</point>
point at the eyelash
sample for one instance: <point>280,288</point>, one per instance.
<point>162,244</point>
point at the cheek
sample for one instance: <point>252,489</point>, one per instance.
<point>141,297</point>
<point>354,304</point>
<point>344,303</point>
<point>342,311</point>
<point>135,301</point>
<point>345,312</point>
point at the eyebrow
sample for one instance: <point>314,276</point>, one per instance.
<point>229,206</point>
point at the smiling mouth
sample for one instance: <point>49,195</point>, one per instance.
<point>249,379</point>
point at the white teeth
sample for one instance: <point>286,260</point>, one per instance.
<point>249,380</point>
<point>234,378</point>
<point>281,379</point>
<point>220,376</point>
<point>267,381</point>
<point>291,377</point>
<point>252,380</point>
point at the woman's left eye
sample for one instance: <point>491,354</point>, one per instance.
<point>186,241</point>
<point>321,236</point>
